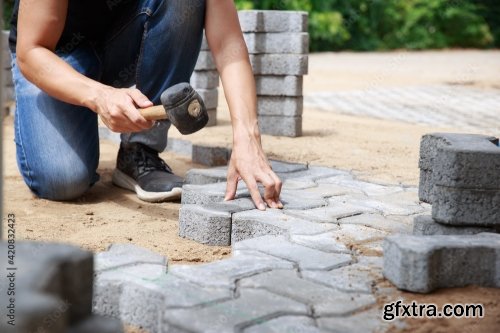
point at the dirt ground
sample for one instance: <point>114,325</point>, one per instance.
<point>376,150</point>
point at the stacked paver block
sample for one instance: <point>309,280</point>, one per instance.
<point>53,290</point>
<point>278,43</point>
<point>458,244</point>
<point>205,80</point>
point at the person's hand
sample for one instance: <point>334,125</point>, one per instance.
<point>118,109</point>
<point>248,162</point>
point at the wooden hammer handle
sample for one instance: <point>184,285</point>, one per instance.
<point>154,113</point>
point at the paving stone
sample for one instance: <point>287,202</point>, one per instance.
<point>353,278</point>
<point>314,173</point>
<point>210,97</point>
<point>98,324</point>
<point>323,300</point>
<point>279,85</point>
<point>296,42</point>
<point>224,273</point>
<point>369,321</point>
<point>255,223</point>
<point>398,224</point>
<point>472,207</point>
<point>302,199</point>
<point>387,205</point>
<point>426,225</point>
<point>425,263</point>
<point>206,176</point>
<point>279,64</point>
<point>280,106</point>
<point>458,160</point>
<point>212,118</point>
<point>282,324</point>
<point>249,307</point>
<point>292,184</point>
<point>280,125</point>
<point>358,233</point>
<point>287,167</point>
<point>369,189</point>
<point>303,257</point>
<point>211,156</point>
<point>205,79</point>
<point>325,242</point>
<point>178,146</point>
<point>119,255</point>
<point>331,190</point>
<point>210,193</point>
<point>273,21</point>
<point>205,62</point>
<point>204,225</point>
<point>329,214</point>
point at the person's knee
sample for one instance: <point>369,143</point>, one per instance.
<point>62,185</point>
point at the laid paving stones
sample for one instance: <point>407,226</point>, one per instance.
<point>329,214</point>
<point>205,225</point>
<point>207,194</point>
<point>224,273</point>
<point>282,324</point>
<point>326,242</point>
<point>425,263</point>
<point>302,256</point>
<point>121,255</point>
<point>399,224</point>
<point>248,308</point>
<point>353,278</point>
<point>254,223</point>
<point>358,233</point>
<point>387,205</point>
<point>369,321</point>
<point>323,300</point>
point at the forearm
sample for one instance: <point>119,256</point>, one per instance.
<point>57,78</point>
<point>239,87</point>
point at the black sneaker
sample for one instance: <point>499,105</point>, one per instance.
<point>140,169</point>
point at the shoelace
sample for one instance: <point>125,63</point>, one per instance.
<point>148,160</point>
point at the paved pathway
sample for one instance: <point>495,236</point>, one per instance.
<point>313,267</point>
<point>439,105</point>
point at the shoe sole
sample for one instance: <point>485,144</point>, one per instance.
<point>122,180</point>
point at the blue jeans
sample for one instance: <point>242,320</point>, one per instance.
<point>154,47</point>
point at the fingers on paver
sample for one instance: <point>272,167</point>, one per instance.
<point>53,285</point>
<point>425,263</point>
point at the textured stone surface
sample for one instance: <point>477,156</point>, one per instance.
<point>399,224</point>
<point>272,21</point>
<point>304,257</point>
<point>210,193</point>
<point>280,106</point>
<point>279,85</point>
<point>212,118</point>
<point>282,324</point>
<point>427,226</point>
<point>324,300</point>
<point>456,206</point>
<point>458,160</point>
<point>224,273</point>
<point>210,156</point>
<point>254,223</point>
<point>206,176</point>
<point>250,306</point>
<point>330,214</point>
<point>205,79</point>
<point>210,97</point>
<point>425,263</point>
<point>178,146</point>
<point>279,64</point>
<point>296,43</point>
<point>121,255</point>
<point>280,125</point>
<point>205,225</point>
<point>369,321</point>
<point>326,242</point>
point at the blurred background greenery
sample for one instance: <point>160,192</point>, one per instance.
<point>366,25</point>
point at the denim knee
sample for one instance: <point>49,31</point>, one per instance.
<point>62,185</point>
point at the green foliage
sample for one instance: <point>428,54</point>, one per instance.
<point>394,24</point>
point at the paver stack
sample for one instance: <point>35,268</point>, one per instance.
<point>205,80</point>
<point>278,44</point>
<point>6,85</point>
<point>459,244</point>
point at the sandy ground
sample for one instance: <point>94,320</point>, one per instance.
<point>376,150</point>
